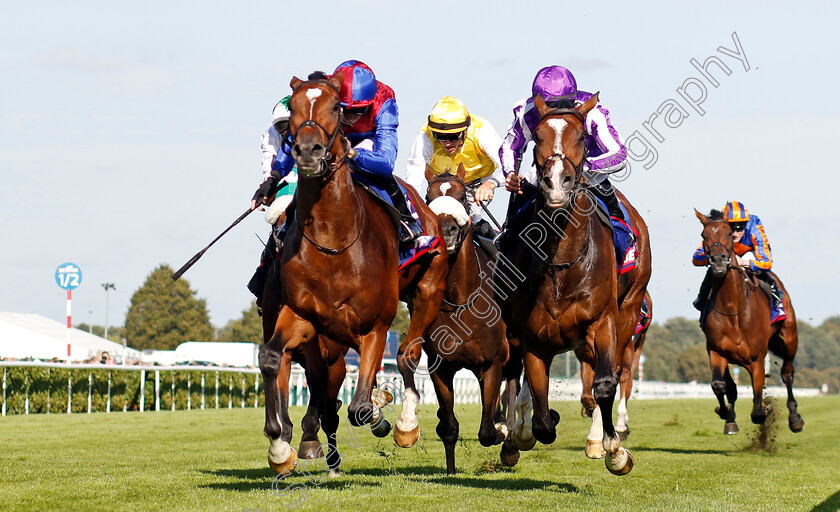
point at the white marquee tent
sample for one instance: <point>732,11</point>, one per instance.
<point>24,335</point>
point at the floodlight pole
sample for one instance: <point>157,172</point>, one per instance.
<point>107,287</point>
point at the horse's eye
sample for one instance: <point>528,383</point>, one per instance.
<point>336,107</point>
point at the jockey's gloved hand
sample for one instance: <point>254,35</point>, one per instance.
<point>265,194</point>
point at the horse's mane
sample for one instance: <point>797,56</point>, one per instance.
<point>715,214</point>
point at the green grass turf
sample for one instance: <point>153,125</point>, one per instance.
<point>216,460</point>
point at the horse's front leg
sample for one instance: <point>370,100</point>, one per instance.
<point>407,428</point>
<point>587,400</point>
<point>488,434</point>
<point>544,421</point>
<point>626,388</point>
<point>290,332</point>
<point>721,389</point>
<point>275,367</point>
<point>618,459</point>
<point>329,417</point>
<point>447,428</point>
<point>316,381</point>
<point>760,411</point>
<point>361,410</point>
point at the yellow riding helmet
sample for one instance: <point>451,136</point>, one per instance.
<point>449,115</point>
<point>737,212</point>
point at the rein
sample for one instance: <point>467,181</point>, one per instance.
<point>474,295</point>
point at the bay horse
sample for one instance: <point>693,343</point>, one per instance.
<point>572,297</point>
<point>468,331</point>
<point>738,328</point>
<point>629,366</point>
<point>339,265</point>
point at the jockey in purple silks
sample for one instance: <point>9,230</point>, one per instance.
<point>607,153</point>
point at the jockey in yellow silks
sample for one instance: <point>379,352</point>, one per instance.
<point>450,137</point>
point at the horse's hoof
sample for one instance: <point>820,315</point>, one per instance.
<point>334,473</point>
<point>730,428</point>
<point>406,439</point>
<point>622,434</point>
<point>509,454</point>
<point>310,450</point>
<point>503,428</point>
<point>284,468</point>
<point>381,397</point>
<point>621,463</point>
<point>585,413</point>
<point>555,416</point>
<point>762,415</point>
<point>523,444</point>
<point>796,424</point>
<point>595,449</point>
<point>381,429</point>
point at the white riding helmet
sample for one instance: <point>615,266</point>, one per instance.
<point>281,110</point>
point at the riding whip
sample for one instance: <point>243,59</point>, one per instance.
<point>200,253</point>
<point>487,211</point>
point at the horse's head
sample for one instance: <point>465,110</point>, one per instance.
<point>447,197</point>
<point>315,125</point>
<point>717,241</point>
<point>560,149</point>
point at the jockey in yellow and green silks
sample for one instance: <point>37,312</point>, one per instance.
<point>452,137</point>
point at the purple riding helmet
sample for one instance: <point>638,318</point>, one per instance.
<point>554,83</point>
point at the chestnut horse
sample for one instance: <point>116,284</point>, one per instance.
<point>738,328</point>
<point>572,297</point>
<point>468,331</point>
<point>339,265</point>
<point>629,366</point>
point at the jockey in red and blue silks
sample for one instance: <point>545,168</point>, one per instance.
<point>369,121</point>
<point>753,251</point>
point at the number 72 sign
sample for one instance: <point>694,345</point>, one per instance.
<point>68,276</point>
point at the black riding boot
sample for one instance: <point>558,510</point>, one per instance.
<point>484,229</point>
<point>705,290</point>
<point>776,293</point>
<point>409,227</point>
<point>606,193</point>
<point>257,282</point>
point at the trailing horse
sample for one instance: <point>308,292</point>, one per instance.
<point>738,329</point>
<point>572,297</point>
<point>468,331</point>
<point>339,265</point>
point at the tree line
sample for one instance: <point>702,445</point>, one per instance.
<point>164,313</point>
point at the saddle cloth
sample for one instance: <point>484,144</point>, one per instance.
<point>624,238</point>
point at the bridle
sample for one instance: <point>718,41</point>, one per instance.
<point>326,167</point>
<point>576,186</point>
<point>729,266</point>
<point>324,163</point>
<point>561,156</point>
<point>464,201</point>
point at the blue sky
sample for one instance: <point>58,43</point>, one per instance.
<point>129,134</point>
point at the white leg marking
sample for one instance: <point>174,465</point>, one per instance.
<point>408,417</point>
<point>522,406</point>
<point>279,451</point>
<point>596,431</point>
<point>623,416</point>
